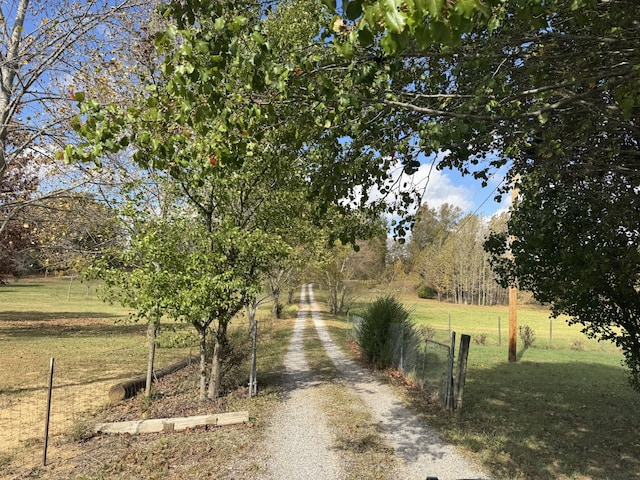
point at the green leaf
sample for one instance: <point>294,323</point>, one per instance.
<point>237,23</point>
<point>330,4</point>
<point>388,44</point>
<point>171,32</point>
<point>434,7</point>
<point>79,96</point>
<point>258,38</point>
<point>393,19</point>
<point>466,8</point>
<point>440,32</point>
<point>202,46</point>
<point>219,23</point>
<point>344,49</point>
<point>365,37</point>
<point>423,35</point>
<point>354,9</point>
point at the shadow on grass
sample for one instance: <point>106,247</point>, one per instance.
<point>550,420</point>
<point>38,315</point>
<point>9,287</point>
<point>41,388</point>
<point>520,354</point>
<point>81,330</point>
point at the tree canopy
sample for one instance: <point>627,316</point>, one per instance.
<point>549,89</point>
<point>552,91</point>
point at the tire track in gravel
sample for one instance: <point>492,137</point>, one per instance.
<point>299,440</point>
<point>421,451</point>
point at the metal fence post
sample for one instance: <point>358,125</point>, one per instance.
<point>48,415</point>
<point>402,347</point>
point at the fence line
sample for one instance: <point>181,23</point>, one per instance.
<point>427,363</point>
<point>23,415</point>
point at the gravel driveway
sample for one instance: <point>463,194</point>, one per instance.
<point>299,442</point>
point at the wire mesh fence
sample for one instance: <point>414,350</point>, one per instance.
<point>23,418</point>
<point>427,363</point>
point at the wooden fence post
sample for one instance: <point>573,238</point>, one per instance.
<point>449,401</point>
<point>462,369</point>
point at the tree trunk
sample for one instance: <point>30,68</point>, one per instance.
<point>275,311</point>
<point>152,330</point>
<point>343,295</point>
<point>219,340</point>
<point>290,296</point>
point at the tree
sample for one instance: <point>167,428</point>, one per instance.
<point>551,89</point>
<point>42,43</point>
<point>342,264</point>
<point>240,168</point>
<point>573,139</point>
<point>18,238</point>
<point>73,230</point>
<point>576,248</point>
<point>49,50</point>
<point>182,270</point>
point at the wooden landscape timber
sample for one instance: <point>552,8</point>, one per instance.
<point>129,388</point>
<point>173,424</point>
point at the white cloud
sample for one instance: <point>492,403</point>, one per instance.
<point>440,189</point>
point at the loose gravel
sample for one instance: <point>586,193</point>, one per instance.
<point>300,444</point>
<point>299,441</point>
<point>422,452</point>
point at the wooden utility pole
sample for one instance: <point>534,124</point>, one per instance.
<point>513,295</point>
<point>513,323</point>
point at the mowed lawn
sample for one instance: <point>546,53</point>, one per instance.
<point>563,411</point>
<point>89,339</point>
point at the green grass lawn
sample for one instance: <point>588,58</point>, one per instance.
<point>90,340</point>
<point>563,411</point>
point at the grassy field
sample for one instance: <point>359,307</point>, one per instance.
<point>90,340</point>
<point>93,344</point>
<point>563,411</point>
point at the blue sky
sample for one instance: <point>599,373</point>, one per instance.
<point>449,186</point>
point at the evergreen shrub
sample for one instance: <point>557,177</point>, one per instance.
<point>373,335</point>
<point>425,291</point>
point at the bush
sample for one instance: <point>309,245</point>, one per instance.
<point>425,291</point>
<point>527,335</point>
<point>427,332</point>
<point>480,339</point>
<point>373,335</point>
